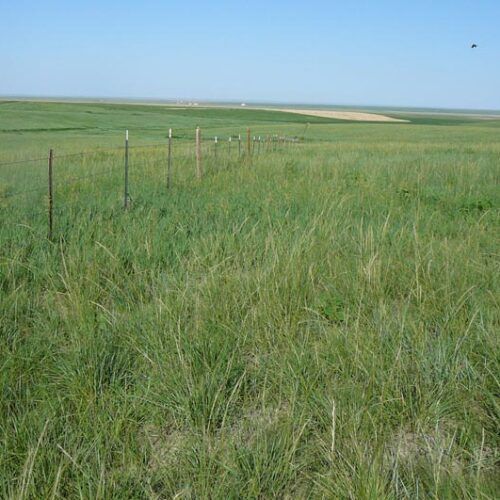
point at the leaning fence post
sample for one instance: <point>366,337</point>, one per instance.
<point>199,172</point>
<point>126,196</point>
<point>51,194</point>
<point>169,165</point>
<point>239,145</point>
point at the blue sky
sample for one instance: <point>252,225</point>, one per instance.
<point>364,52</point>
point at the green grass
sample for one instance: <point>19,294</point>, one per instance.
<point>197,344</point>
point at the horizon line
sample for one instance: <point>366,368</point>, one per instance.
<point>239,102</point>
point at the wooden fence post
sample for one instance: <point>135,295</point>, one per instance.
<point>51,195</point>
<point>199,171</point>
<point>215,147</point>
<point>239,145</point>
<point>169,164</point>
<point>126,195</point>
<point>249,143</point>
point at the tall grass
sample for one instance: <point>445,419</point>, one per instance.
<point>195,345</point>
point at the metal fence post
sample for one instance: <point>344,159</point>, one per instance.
<point>126,195</point>
<point>51,194</point>
<point>169,165</point>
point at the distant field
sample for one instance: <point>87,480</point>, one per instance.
<point>319,320</point>
<point>355,116</point>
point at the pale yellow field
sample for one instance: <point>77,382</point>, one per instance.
<point>344,115</point>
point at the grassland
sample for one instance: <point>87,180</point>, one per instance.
<point>320,322</point>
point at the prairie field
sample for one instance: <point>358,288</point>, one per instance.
<point>318,319</point>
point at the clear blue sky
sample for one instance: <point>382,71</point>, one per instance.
<point>360,52</point>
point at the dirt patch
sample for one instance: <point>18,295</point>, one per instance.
<point>344,115</point>
<point>439,449</point>
<point>164,446</point>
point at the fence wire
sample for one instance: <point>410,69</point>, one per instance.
<point>146,162</point>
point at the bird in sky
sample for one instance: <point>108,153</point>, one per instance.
<point>473,46</point>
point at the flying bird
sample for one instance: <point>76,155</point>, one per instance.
<point>473,46</point>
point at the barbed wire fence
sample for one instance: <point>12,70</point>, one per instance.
<point>52,179</point>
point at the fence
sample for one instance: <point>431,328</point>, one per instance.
<point>35,192</point>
